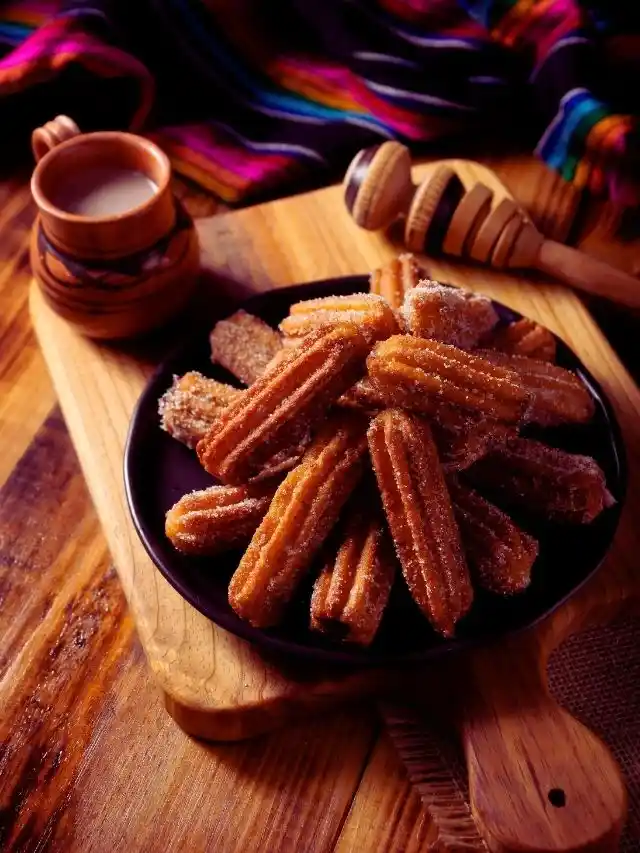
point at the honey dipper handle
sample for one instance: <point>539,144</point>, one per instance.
<point>539,780</point>
<point>44,138</point>
<point>586,273</point>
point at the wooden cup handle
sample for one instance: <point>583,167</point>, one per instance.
<point>44,138</point>
<point>539,780</point>
<point>586,273</point>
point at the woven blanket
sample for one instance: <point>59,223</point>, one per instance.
<point>254,100</point>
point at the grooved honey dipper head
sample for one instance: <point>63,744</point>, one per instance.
<point>377,185</point>
<point>432,209</point>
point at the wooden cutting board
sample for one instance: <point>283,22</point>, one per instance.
<point>519,745</point>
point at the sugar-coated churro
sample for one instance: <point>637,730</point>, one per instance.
<point>280,407</point>
<point>394,279</point>
<point>549,481</point>
<point>499,554</point>
<point>352,590</point>
<point>416,372</point>
<point>420,516</point>
<point>524,337</point>
<point>448,314</point>
<point>303,510</point>
<point>557,395</point>
<point>244,345</point>
<point>211,520</point>
<point>192,405</point>
<point>369,312</point>
<point>462,436</point>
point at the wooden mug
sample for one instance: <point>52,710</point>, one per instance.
<point>117,275</point>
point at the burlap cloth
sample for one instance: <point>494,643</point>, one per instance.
<point>595,675</point>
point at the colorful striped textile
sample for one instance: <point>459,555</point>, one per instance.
<point>254,100</point>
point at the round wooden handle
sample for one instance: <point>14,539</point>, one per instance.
<point>539,780</point>
<point>586,273</point>
<point>44,138</point>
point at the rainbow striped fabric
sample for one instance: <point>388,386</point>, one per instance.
<point>254,100</point>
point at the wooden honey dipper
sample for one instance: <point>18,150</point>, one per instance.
<point>441,216</point>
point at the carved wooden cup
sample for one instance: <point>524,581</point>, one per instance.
<point>113,275</point>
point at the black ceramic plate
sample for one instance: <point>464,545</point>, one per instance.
<point>158,471</point>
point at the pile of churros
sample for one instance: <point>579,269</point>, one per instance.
<point>367,446</point>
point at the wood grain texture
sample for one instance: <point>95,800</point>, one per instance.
<point>106,790</point>
<point>386,816</point>
<point>588,274</point>
<point>552,202</point>
<point>21,362</point>
<point>560,788</point>
<point>288,792</point>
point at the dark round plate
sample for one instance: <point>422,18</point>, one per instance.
<point>158,471</point>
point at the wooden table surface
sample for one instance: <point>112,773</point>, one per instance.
<point>89,758</point>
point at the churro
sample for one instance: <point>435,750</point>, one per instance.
<point>500,555</point>
<point>462,436</point>
<point>244,345</point>
<point>212,520</point>
<point>192,405</point>
<point>557,395</point>
<point>280,407</point>
<point>394,279</point>
<point>369,312</point>
<point>352,590</point>
<point>420,516</point>
<point>303,510</point>
<point>553,483</point>
<point>416,372</point>
<point>448,314</point>
<point>365,395</point>
<point>524,337</point>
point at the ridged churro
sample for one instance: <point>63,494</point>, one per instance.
<point>546,480</point>
<point>281,406</point>
<point>524,337</point>
<point>212,520</point>
<point>352,590</point>
<point>462,437</point>
<point>244,345</point>
<point>192,405</point>
<point>448,314</point>
<point>394,279</point>
<point>500,555</point>
<point>557,395</point>
<point>420,516</point>
<point>365,396</point>
<point>303,510</point>
<point>370,313</point>
<point>416,372</point>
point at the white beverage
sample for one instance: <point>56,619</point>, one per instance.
<point>104,191</point>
